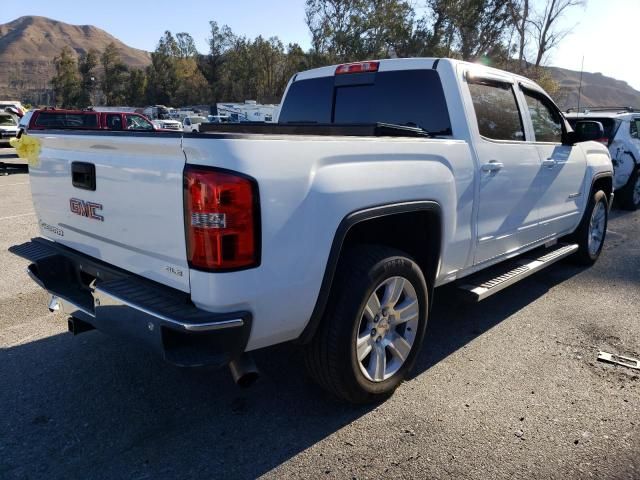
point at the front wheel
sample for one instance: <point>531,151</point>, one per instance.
<point>592,230</point>
<point>630,194</point>
<point>373,327</point>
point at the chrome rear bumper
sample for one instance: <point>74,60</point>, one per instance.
<point>126,305</point>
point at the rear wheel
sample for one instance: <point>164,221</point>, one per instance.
<point>630,194</point>
<point>592,231</point>
<point>373,327</point>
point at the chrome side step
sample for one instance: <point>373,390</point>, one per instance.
<point>480,286</point>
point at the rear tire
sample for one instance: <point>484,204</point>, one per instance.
<point>592,230</point>
<point>373,327</point>
<point>630,193</point>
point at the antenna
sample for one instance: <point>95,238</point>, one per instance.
<point>580,86</point>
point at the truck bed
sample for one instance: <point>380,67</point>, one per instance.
<point>325,129</point>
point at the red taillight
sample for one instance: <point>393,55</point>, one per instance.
<point>603,140</point>
<point>221,213</point>
<point>359,67</point>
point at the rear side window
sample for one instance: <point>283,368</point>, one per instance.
<point>547,124</point>
<point>66,120</point>
<point>408,97</point>
<point>497,111</point>
<point>114,121</point>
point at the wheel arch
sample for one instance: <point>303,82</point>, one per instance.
<point>423,219</point>
<point>602,181</point>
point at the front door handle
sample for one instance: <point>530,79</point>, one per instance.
<point>549,162</point>
<point>492,166</point>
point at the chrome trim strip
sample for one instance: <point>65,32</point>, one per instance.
<point>190,327</point>
<point>115,243</point>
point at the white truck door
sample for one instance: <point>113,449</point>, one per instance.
<point>563,167</point>
<point>509,171</point>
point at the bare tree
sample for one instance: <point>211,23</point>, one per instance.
<point>519,11</point>
<point>546,32</point>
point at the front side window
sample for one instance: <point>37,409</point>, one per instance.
<point>135,122</point>
<point>547,124</point>
<point>497,111</point>
<point>635,128</point>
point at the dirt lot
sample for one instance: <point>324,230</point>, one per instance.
<point>509,388</point>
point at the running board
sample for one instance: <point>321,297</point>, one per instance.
<point>481,285</point>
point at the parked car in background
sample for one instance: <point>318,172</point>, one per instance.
<point>157,112</point>
<point>191,124</point>
<point>51,118</point>
<point>8,128</point>
<point>218,118</point>
<point>622,138</point>
<point>20,110</point>
<point>168,124</point>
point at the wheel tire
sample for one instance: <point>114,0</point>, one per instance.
<point>630,193</point>
<point>586,254</point>
<point>331,356</point>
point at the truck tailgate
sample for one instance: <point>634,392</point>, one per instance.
<point>132,217</point>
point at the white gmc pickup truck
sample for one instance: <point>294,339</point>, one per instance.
<point>381,181</point>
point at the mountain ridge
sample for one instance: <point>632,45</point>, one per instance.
<point>29,44</point>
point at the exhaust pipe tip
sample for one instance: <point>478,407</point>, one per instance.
<point>77,326</point>
<point>54,304</point>
<point>244,370</point>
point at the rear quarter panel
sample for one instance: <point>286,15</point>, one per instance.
<point>308,185</point>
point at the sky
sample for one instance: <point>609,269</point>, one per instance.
<point>604,32</point>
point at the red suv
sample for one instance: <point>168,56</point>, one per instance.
<point>51,118</point>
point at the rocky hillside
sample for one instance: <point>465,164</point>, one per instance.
<point>28,46</point>
<point>597,90</point>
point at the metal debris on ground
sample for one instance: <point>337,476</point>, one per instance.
<point>619,360</point>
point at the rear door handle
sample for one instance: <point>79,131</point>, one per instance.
<point>549,162</point>
<point>492,166</point>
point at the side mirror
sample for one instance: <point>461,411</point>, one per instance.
<point>585,131</point>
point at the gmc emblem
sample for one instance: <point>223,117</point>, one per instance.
<point>85,209</point>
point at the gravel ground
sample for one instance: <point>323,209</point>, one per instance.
<point>508,388</point>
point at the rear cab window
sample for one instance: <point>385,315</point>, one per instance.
<point>412,98</point>
<point>497,111</point>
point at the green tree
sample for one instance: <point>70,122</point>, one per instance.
<point>186,45</point>
<point>162,74</point>
<point>114,76</point>
<point>136,88</point>
<point>86,68</point>
<point>65,83</point>
<point>350,30</point>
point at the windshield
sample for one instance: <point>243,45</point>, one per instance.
<point>409,97</point>
<point>197,120</point>
<point>7,121</point>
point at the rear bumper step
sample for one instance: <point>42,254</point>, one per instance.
<point>483,285</point>
<point>126,305</point>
